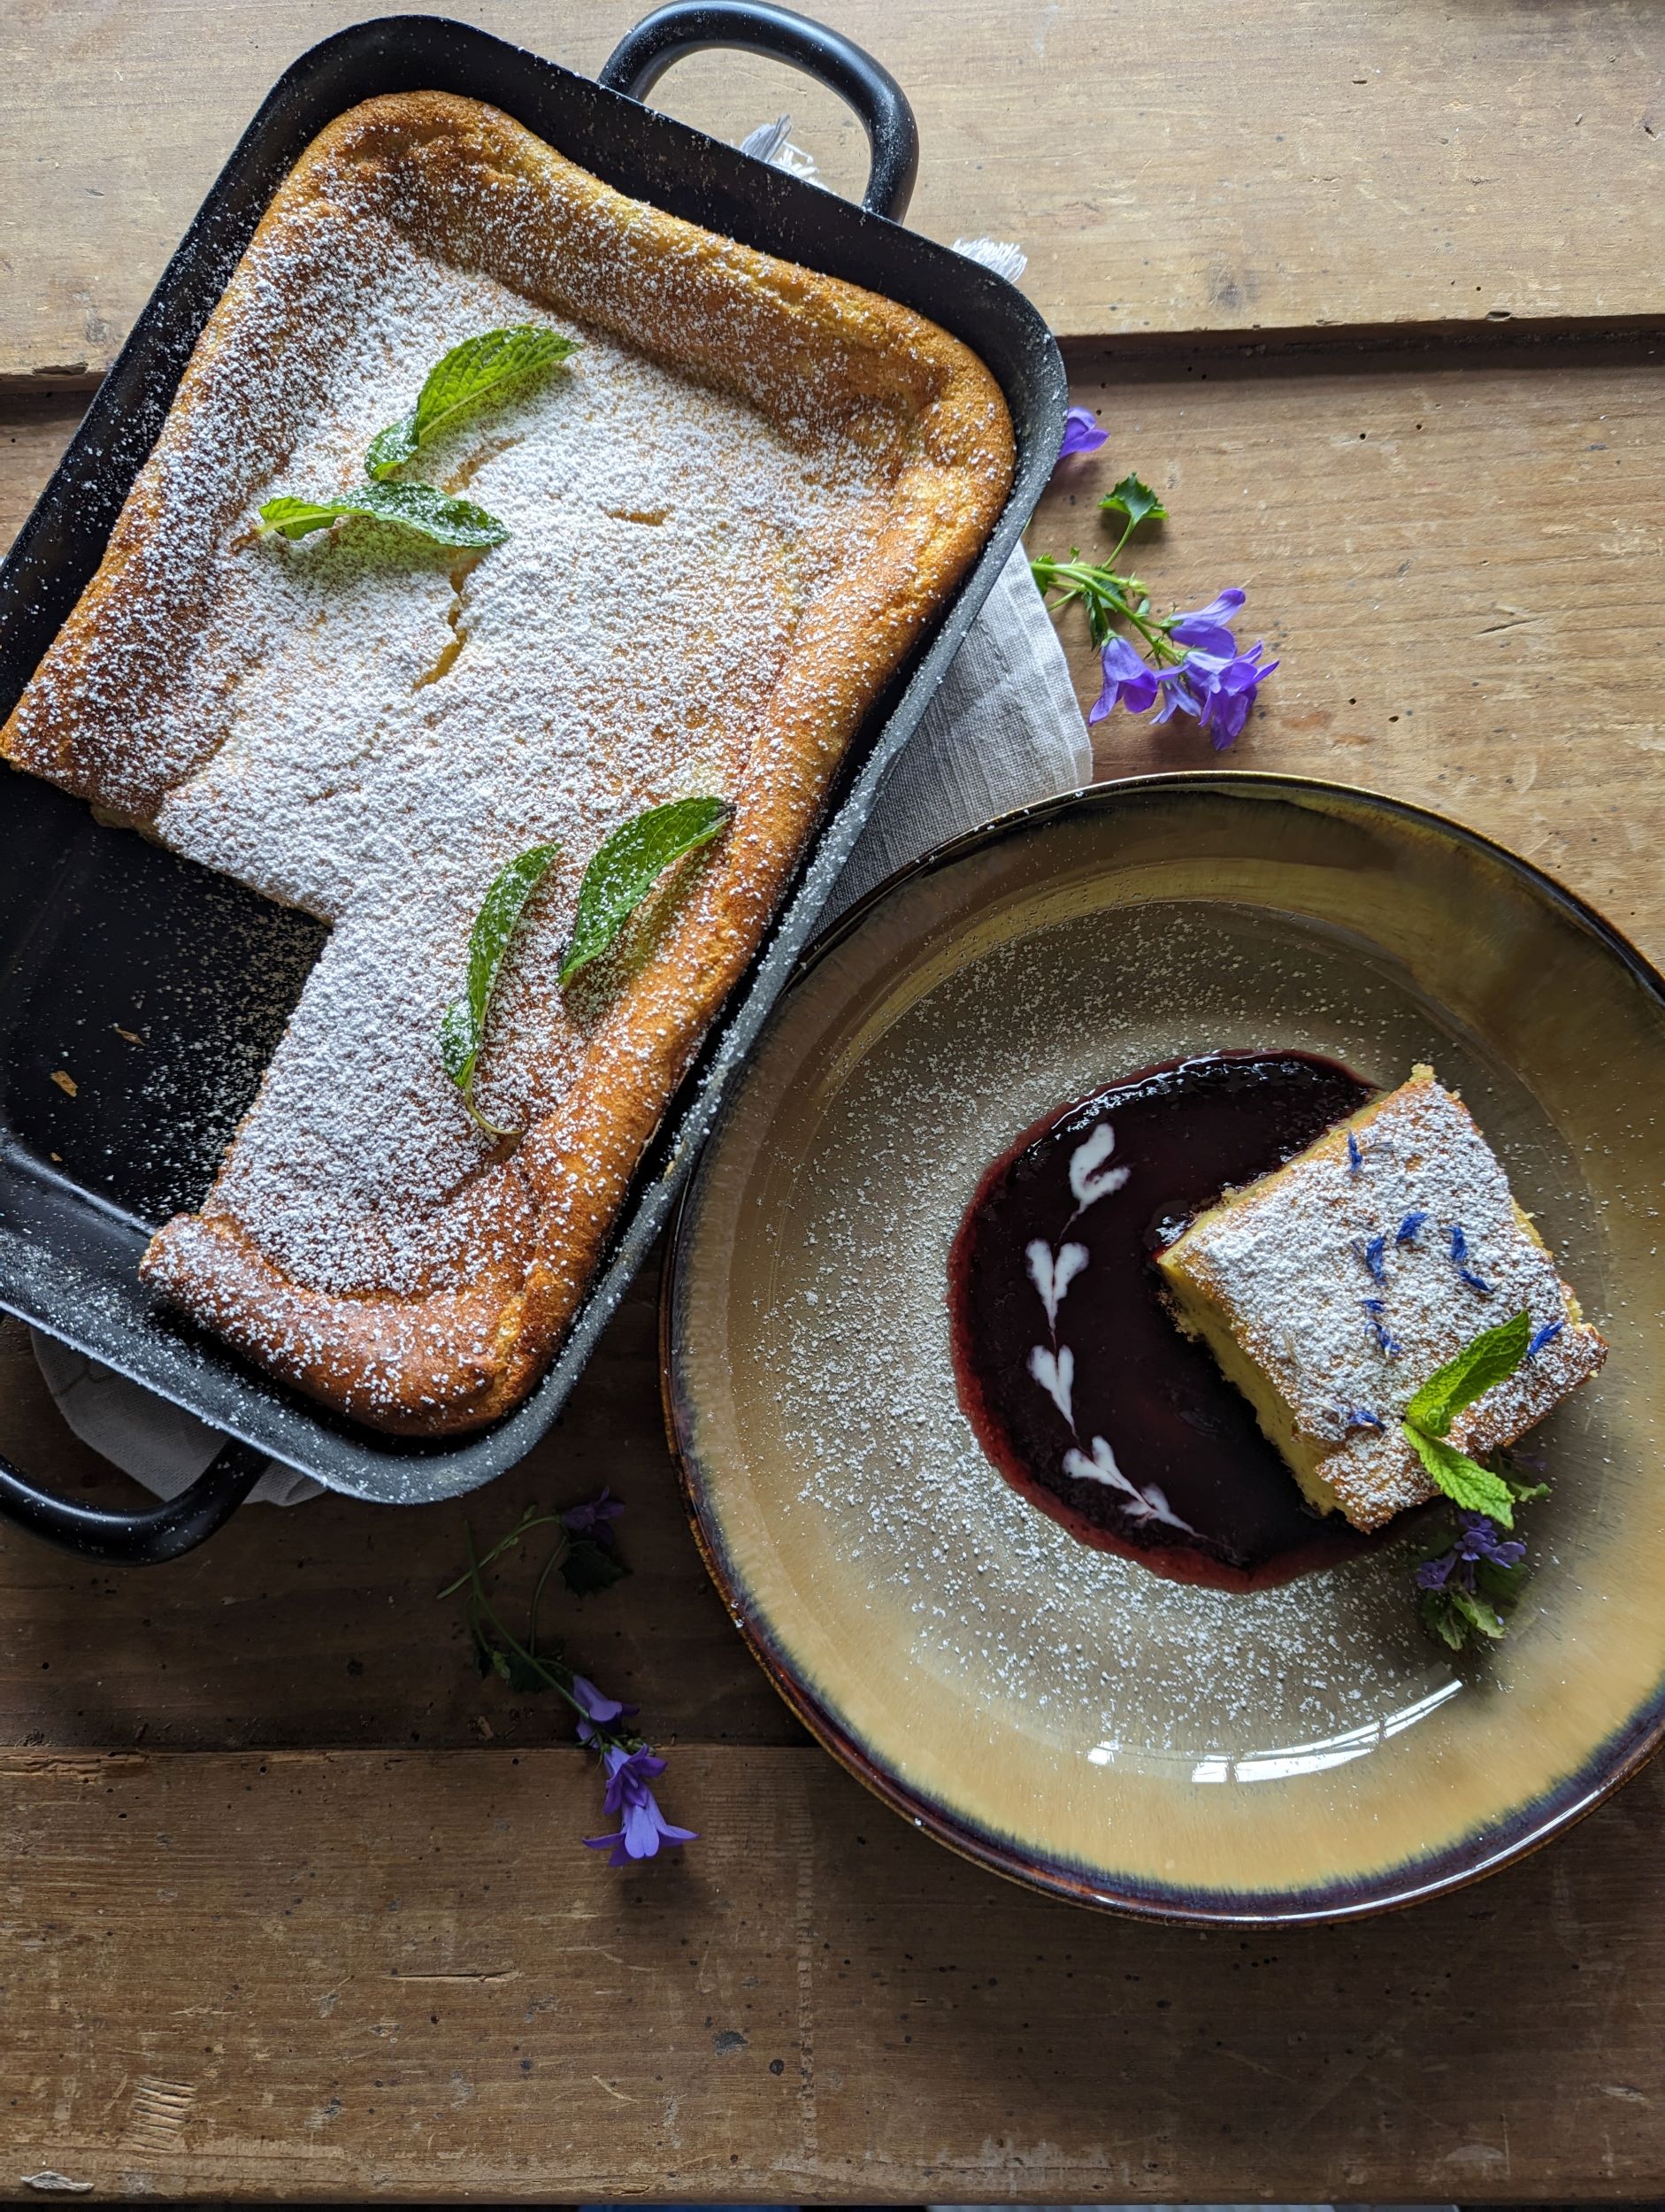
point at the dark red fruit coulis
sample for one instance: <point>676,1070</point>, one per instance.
<point>1186,1133</point>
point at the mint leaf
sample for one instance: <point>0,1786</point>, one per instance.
<point>1464,1481</point>
<point>1135,499</point>
<point>1477,1612</point>
<point>1492,1358</point>
<point>627,867</point>
<point>478,370</point>
<point>462,1025</point>
<point>419,507</point>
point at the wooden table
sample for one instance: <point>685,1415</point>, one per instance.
<point>293,1902</point>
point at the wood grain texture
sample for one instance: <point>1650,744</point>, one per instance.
<point>1458,556</point>
<point>1330,164</point>
<point>329,1975</point>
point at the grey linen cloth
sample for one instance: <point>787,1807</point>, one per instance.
<point>1003,730</point>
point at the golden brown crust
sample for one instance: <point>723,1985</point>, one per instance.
<point>475,189</point>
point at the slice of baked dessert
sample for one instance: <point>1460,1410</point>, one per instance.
<point>1330,1290</point>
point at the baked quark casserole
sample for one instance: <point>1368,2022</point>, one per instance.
<point>729,517</point>
<point>1330,1290</point>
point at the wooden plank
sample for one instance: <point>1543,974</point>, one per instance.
<point>325,1976</point>
<point>1456,554</point>
<point>1323,163</point>
<point>318,1624</point>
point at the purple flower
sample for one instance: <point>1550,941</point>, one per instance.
<point>1406,1232</point>
<point>1129,681</point>
<point>1460,1255</point>
<point>1081,433</point>
<point>642,1826</point>
<point>1218,689</point>
<point>1205,627</point>
<point>1547,1334</point>
<point>597,1710</point>
<point>594,1518</point>
<point>1386,1340</point>
<point>1478,1538</point>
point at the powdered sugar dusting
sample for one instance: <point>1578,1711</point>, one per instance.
<point>371,727</point>
<point>884,1503</point>
<point>1356,1270</point>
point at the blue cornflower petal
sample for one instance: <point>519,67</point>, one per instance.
<point>1547,1334</point>
<point>1405,1234</point>
<point>1355,1157</point>
<point>1375,1257</point>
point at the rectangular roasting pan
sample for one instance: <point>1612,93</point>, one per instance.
<point>98,925</point>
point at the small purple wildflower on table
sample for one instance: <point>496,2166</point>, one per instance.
<point>642,1825</point>
<point>525,1663</point>
<point>1129,681</point>
<point>1204,628</point>
<point>595,1517</point>
<point>1082,434</point>
<point>1218,689</point>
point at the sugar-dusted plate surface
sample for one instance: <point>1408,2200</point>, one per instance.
<point>1061,1713</point>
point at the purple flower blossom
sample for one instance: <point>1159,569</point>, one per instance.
<point>1218,689</point>
<point>1386,1340</point>
<point>642,1826</point>
<point>1355,1157</point>
<point>595,1517</point>
<point>1204,628</point>
<point>1406,1232</point>
<point>1081,433</point>
<point>1547,1334</point>
<point>1129,681</point>
<point>597,1710</point>
<point>1375,1257</point>
<point>1460,1255</point>
<point>1361,1417</point>
<point>1478,1538</point>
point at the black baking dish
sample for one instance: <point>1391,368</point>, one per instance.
<point>96,920</point>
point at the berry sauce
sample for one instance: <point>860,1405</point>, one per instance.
<point>1105,1415</point>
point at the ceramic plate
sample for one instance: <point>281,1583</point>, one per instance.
<point>1060,1713</point>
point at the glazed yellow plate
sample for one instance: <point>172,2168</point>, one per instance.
<point>1058,1712</point>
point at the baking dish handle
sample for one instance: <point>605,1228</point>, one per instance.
<point>690,27</point>
<point>136,1539</point>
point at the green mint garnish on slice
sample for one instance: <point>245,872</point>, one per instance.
<point>1464,1481</point>
<point>463,1029</point>
<point>480,369</point>
<point>1134,499</point>
<point>418,507</point>
<point>627,867</point>
<point>1492,1358</point>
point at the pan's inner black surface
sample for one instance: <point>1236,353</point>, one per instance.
<point>140,998</point>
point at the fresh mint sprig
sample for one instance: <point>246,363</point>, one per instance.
<point>478,370</point>
<point>1468,1585</point>
<point>627,867</point>
<point>419,507</point>
<point>463,1028</point>
<point>1491,1359</point>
